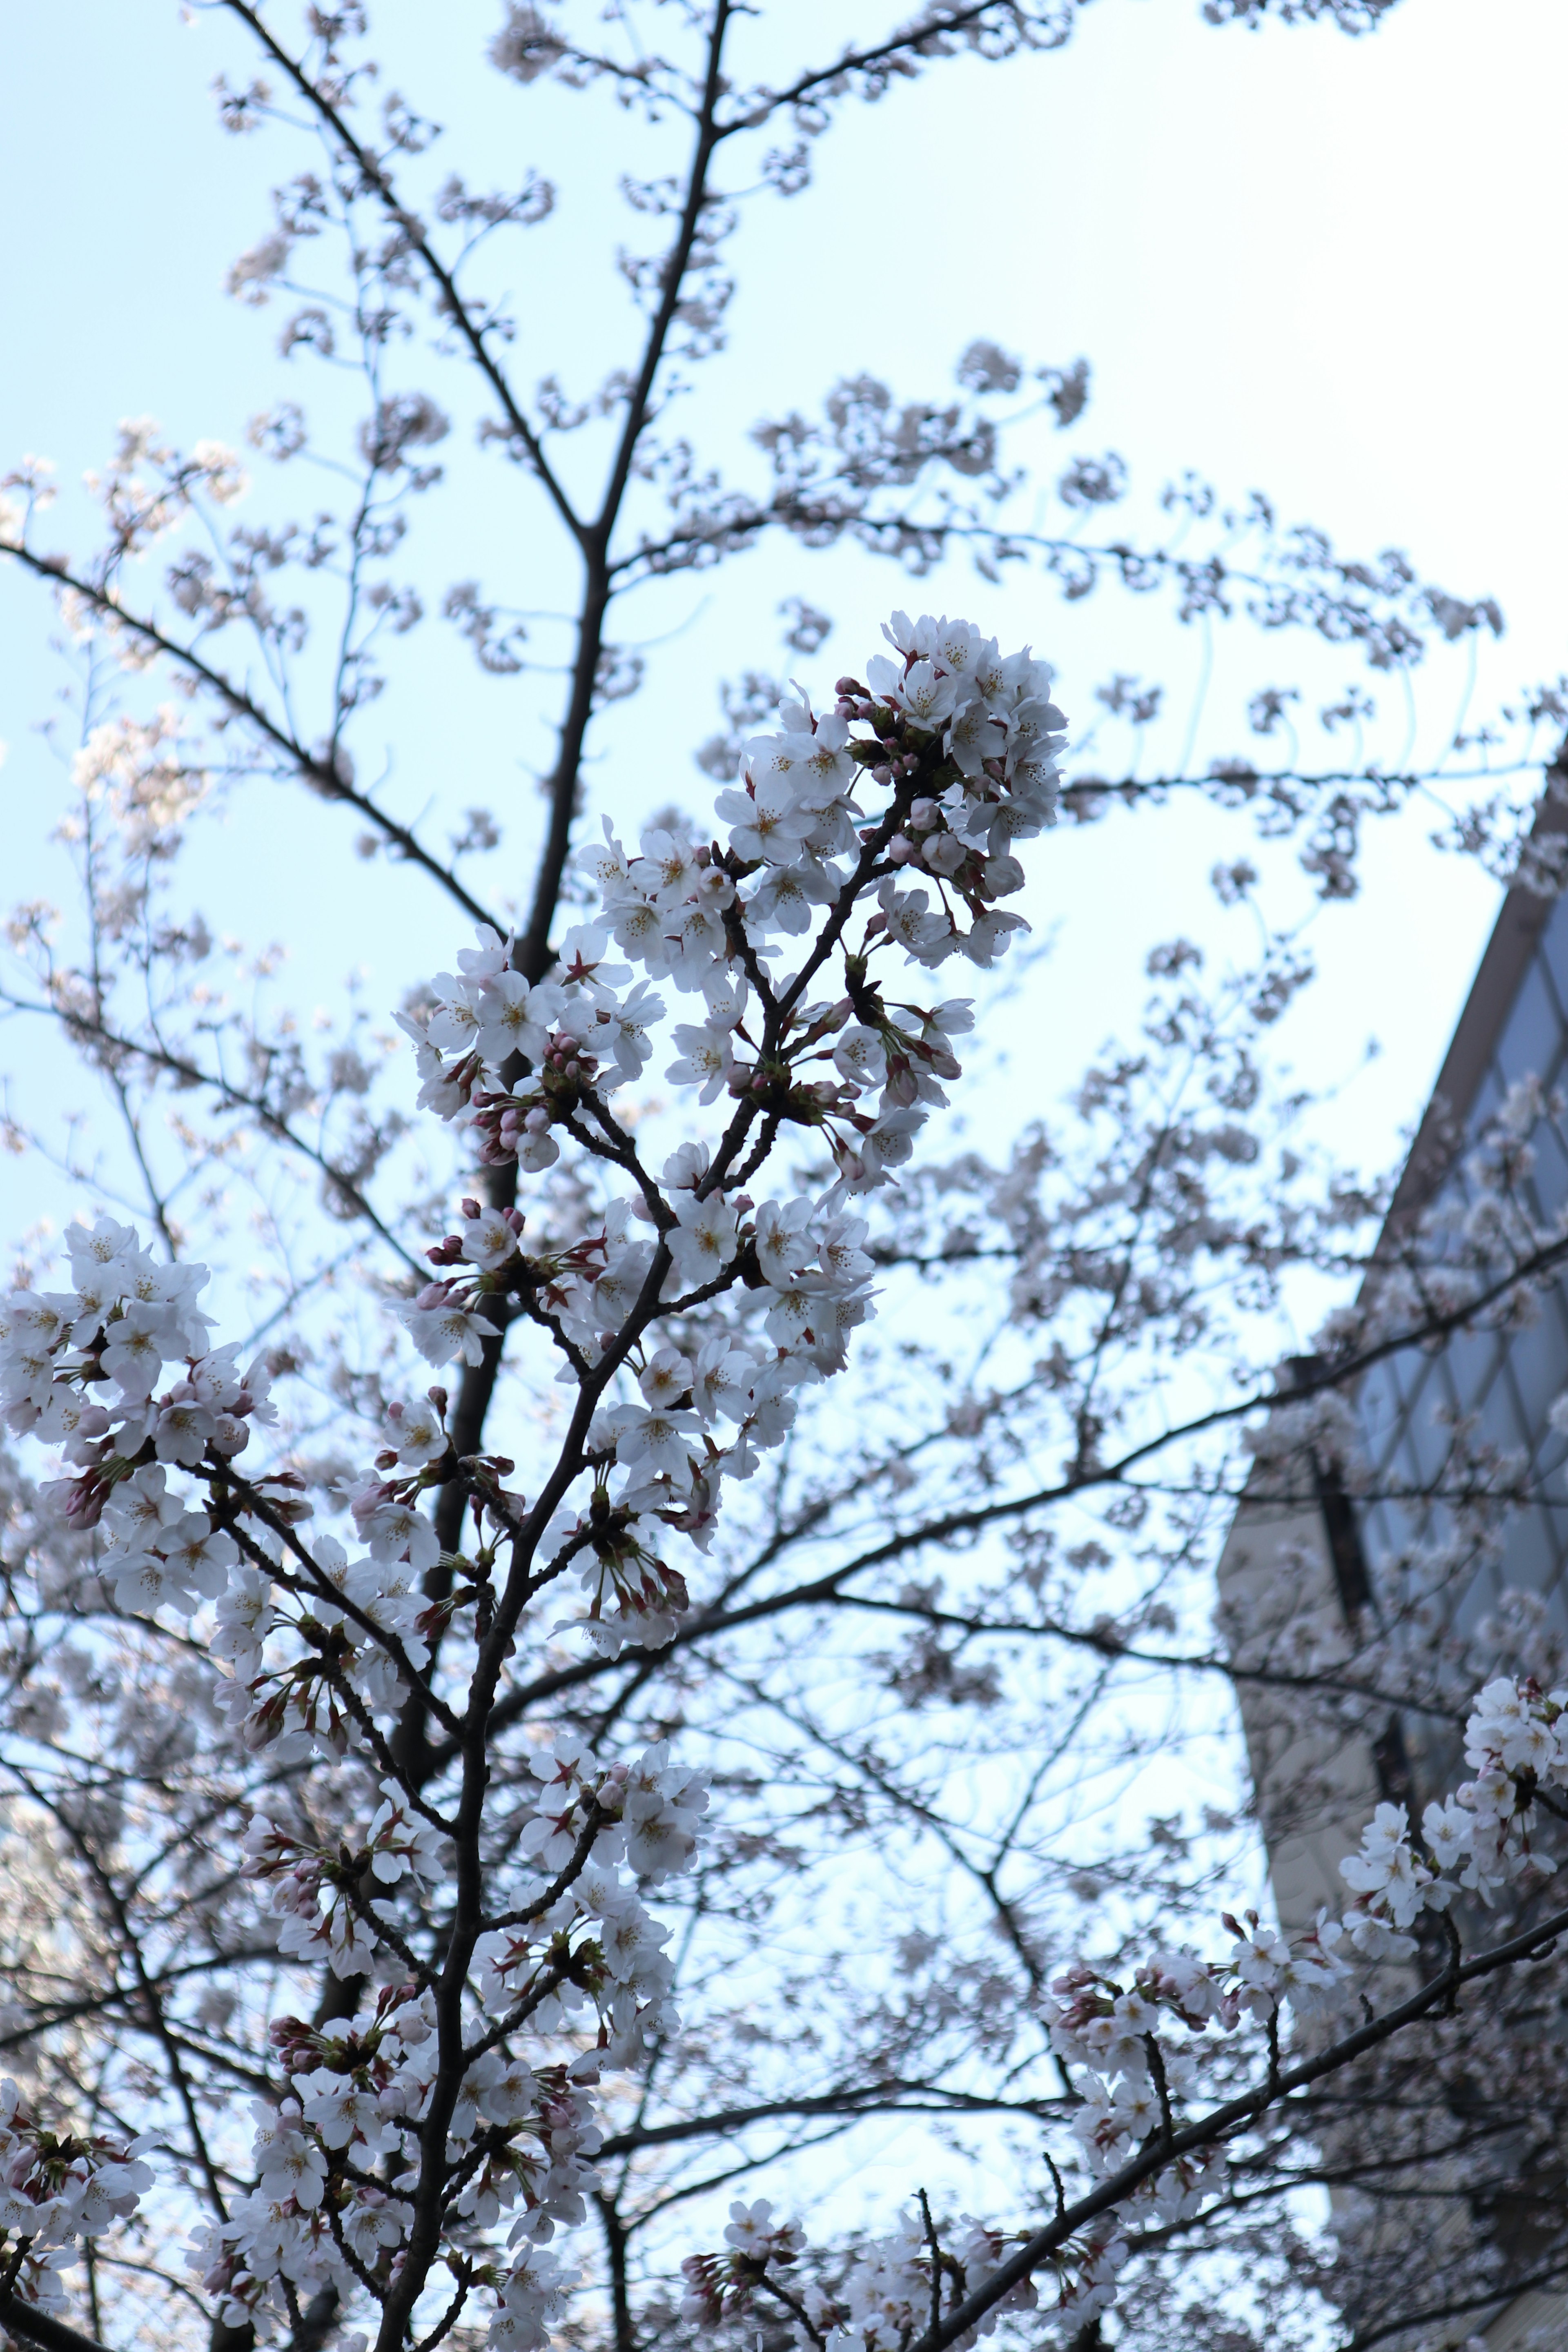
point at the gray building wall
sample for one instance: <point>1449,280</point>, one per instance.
<point>1315,1792</point>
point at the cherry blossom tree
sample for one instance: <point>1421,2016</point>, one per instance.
<point>628,1661</point>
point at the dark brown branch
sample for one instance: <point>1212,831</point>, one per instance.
<point>881,55</point>
<point>893,2097</point>
<point>376,178</point>
<point>1536,1943</point>
<point>36,2326</point>
<point>533,955</point>
<point>322,777</point>
<point>159,1058</point>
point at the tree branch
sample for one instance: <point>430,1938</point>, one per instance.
<point>452,306</point>
<point>36,2326</point>
<point>323,778</point>
<point>1535,1944</point>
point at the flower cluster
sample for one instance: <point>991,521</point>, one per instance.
<point>1479,1839</point>
<point>942,766</point>
<point>1134,2049</point>
<point>521,2136</point>
<point>1135,2080</point>
<point>54,2191</point>
<point>521,2146</point>
<point>687,1318</point>
<point>884,2300</point>
<point>957,742</point>
<point>1095,2022</point>
<point>118,1372</point>
<point>147,487</point>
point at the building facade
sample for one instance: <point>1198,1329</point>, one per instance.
<point>1302,1562</point>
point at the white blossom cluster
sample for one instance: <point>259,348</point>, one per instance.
<point>883,2302</point>
<point>686,1320</point>
<point>1136,2083</point>
<point>118,1372</point>
<point>589,1963</point>
<point>145,489</point>
<point>940,767</point>
<point>55,2190</point>
<point>1516,1740</point>
<point>523,2139</point>
<point>957,744</point>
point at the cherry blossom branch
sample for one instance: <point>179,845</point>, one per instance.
<point>322,777</point>
<point>41,2328</point>
<point>376,178</point>
<point>946,17</point>
<point>1534,1944</point>
<point>162,1058</point>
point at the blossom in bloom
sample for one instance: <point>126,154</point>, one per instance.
<point>417,1433</point>
<point>657,1441</point>
<point>290,2166</point>
<point>490,1240</point>
<point>706,1060</point>
<point>766,821</point>
<point>142,1342</point>
<point>703,1242</point>
<point>860,1055</point>
<point>447,1330</point>
<point>666,1377</point>
<point>515,1018</point>
<point>781,1238</point>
